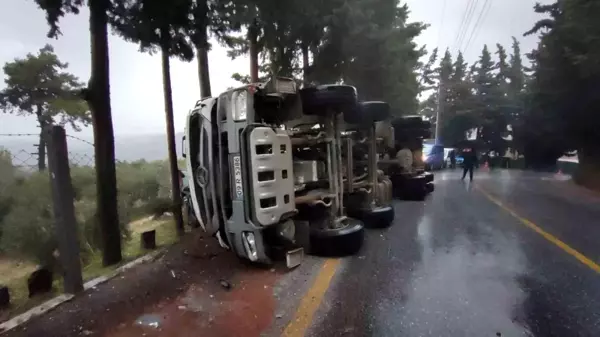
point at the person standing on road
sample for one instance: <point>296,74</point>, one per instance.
<point>452,156</point>
<point>469,161</point>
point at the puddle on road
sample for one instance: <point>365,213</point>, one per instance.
<point>149,320</point>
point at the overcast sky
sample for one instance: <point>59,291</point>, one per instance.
<point>136,83</point>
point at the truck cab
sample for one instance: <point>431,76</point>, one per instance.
<point>240,171</point>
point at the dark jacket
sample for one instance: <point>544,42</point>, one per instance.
<point>469,157</point>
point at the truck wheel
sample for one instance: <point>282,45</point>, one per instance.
<point>430,187</point>
<point>342,241</point>
<point>189,218</point>
<point>378,217</point>
<point>368,113</point>
<point>317,100</point>
<point>419,193</point>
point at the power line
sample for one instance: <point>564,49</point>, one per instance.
<point>468,24</point>
<point>484,12</point>
<point>464,24</point>
<point>442,23</point>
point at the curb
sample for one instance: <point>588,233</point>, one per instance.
<point>60,299</point>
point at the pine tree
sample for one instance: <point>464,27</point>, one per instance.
<point>38,85</point>
<point>97,94</point>
<point>564,90</point>
<point>488,105</point>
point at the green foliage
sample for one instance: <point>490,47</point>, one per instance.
<point>369,44</point>
<point>26,220</point>
<point>365,43</point>
<point>7,177</point>
<point>28,228</point>
<point>38,85</point>
<point>486,96</point>
<point>563,99</point>
<point>427,71</point>
<point>154,26</point>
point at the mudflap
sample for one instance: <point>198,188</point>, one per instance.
<point>294,257</point>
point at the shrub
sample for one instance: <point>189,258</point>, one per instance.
<point>26,208</point>
<point>28,227</point>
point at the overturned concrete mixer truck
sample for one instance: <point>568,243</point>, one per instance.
<point>410,180</point>
<point>271,171</point>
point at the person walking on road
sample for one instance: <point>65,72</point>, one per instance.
<point>469,161</point>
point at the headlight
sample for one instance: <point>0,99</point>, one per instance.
<point>250,245</point>
<point>424,158</point>
<point>239,103</point>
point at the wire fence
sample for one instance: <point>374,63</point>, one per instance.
<point>25,154</point>
<point>48,217</point>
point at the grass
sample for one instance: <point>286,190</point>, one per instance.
<point>14,274</point>
<point>132,249</point>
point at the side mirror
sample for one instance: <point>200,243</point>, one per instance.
<point>183,147</point>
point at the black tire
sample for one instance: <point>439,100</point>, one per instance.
<point>418,193</point>
<point>430,187</point>
<point>188,212</point>
<point>378,217</point>
<point>343,241</point>
<point>316,101</point>
<point>410,133</point>
<point>428,177</point>
<point>410,188</point>
<point>368,113</point>
<point>406,122</point>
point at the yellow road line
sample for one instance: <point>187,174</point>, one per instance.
<point>311,300</point>
<point>582,258</point>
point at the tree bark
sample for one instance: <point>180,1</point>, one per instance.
<point>305,62</point>
<point>98,97</point>
<point>42,142</point>
<point>42,149</point>
<point>253,41</point>
<point>203,72</point>
<point>203,69</point>
<point>175,188</point>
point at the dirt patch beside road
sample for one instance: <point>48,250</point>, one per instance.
<point>178,294</point>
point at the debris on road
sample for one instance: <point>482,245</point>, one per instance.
<point>226,285</point>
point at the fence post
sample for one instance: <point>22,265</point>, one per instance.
<point>64,211</point>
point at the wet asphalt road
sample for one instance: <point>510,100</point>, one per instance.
<point>460,265</point>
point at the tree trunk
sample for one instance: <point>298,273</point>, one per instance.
<point>203,71</point>
<point>42,143</point>
<point>305,62</point>
<point>175,188</point>
<point>42,150</point>
<point>98,97</point>
<point>253,41</point>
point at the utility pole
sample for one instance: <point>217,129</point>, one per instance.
<point>440,109</point>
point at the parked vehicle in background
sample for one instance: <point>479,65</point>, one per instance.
<point>457,156</point>
<point>433,157</point>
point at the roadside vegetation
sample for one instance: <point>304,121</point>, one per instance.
<point>27,234</point>
<point>548,97</point>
